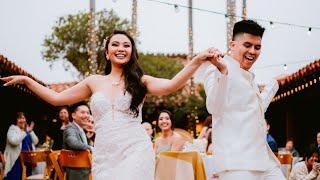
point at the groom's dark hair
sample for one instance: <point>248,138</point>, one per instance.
<point>247,26</point>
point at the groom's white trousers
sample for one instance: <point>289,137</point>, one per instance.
<point>271,174</point>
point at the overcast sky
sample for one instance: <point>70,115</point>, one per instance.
<point>24,25</point>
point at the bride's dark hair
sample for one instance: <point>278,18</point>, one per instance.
<point>132,74</point>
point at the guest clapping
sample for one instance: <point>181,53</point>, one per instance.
<point>20,137</point>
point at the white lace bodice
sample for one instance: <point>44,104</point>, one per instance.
<point>119,109</point>
<point>122,147</point>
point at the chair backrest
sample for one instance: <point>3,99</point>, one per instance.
<point>2,161</point>
<point>75,159</point>
<point>33,157</point>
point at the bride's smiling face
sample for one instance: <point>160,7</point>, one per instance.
<point>119,49</point>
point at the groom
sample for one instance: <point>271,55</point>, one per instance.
<point>237,106</point>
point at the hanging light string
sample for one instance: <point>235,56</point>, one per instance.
<point>176,6</point>
<point>284,65</point>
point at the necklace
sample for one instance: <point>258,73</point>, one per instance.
<point>116,83</point>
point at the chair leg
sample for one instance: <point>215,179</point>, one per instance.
<point>90,176</point>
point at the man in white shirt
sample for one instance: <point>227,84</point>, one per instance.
<point>237,106</point>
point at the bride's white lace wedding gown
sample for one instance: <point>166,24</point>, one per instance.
<point>123,150</point>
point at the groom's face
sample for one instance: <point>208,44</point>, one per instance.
<point>245,48</point>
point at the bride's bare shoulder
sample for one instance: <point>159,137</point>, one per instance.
<point>95,80</point>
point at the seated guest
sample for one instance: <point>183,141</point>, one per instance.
<point>20,137</point>
<point>148,127</point>
<point>307,169</point>
<point>318,141</point>
<point>91,135</point>
<point>271,142</point>
<point>290,148</point>
<point>57,126</point>
<point>169,140</point>
<point>48,142</point>
<point>74,138</point>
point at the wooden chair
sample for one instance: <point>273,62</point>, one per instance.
<point>33,157</point>
<point>53,156</point>
<point>3,163</point>
<point>74,159</point>
<point>286,163</point>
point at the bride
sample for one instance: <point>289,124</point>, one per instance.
<point>122,149</point>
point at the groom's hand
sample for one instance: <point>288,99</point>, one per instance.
<point>221,66</point>
<point>217,60</point>
<point>208,54</point>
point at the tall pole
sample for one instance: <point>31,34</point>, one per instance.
<point>231,20</point>
<point>190,32</point>
<point>244,9</point>
<point>194,115</point>
<point>190,40</point>
<point>92,40</point>
<point>134,18</point>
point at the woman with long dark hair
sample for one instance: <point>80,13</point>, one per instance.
<point>122,147</point>
<point>169,140</point>
<point>57,126</point>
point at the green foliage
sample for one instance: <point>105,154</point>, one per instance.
<point>70,38</point>
<point>183,105</point>
<point>159,65</point>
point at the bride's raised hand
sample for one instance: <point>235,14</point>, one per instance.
<point>16,79</point>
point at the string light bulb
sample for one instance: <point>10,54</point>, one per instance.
<point>233,15</point>
<point>176,8</point>
<point>271,24</point>
<point>309,31</point>
<point>285,67</point>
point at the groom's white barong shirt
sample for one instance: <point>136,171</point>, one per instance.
<point>239,129</point>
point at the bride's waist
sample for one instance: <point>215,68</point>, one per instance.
<point>117,117</point>
<point>118,123</point>
<point>122,131</point>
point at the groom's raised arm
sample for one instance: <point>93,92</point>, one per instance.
<point>268,93</point>
<point>215,85</point>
